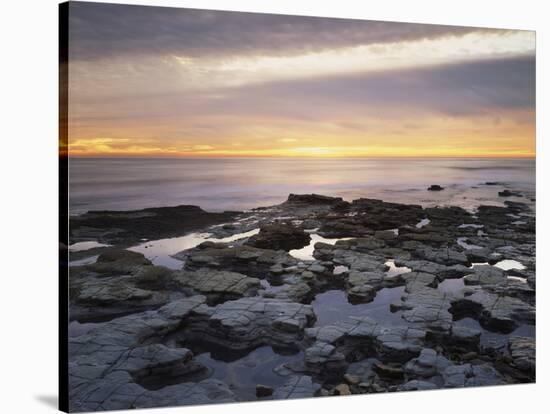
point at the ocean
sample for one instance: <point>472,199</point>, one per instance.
<point>244,183</point>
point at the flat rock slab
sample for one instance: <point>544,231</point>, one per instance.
<point>297,387</point>
<point>250,322</point>
<point>216,281</point>
<point>495,312</point>
<point>331,343</point>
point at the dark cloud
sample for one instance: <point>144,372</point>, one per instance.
<point>101,30</point>
<point>497,88</point>
<point>483,87</point>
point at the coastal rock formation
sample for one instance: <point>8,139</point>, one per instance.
<point>217,283</point>
<point>126,227</point>
<point>279,237</point>
<point>394,297</point>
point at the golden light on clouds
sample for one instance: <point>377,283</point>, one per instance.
<point>359,59</point>
<point>451,93</point>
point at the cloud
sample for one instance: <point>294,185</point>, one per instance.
<point>101,30</point>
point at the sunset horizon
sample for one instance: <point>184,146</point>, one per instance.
<point>294,86</point>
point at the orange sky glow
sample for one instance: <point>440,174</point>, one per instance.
<point>302,87</point>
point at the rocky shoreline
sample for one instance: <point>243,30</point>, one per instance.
<point>339,297</point>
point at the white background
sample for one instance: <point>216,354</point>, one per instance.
<point>28,229</point>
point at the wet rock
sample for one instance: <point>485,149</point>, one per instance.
<point>485,275</point>
<point>381,215</point>
<point>107,364</point>
<point>361,287</point>
<point>117,261</point>
<point>331,343</point>
<point>352,379</point>
<point>116,392</point>
<point>508,193</point>
<point>417,385</point>
<point>440,270</point>
<point>362,244</point>
<point>296,292</point>
<point>250,322</point>
<point>152,277</point>
<point>312,199</point>
<point>297,387</point>
<point>342,389</point>
<point>247,260</point>
<point>208,281</point>
<point>388,371</point>
<point>279,237</point>
<point>445,256</point>
<point>129,227</point>
<point>462,338</point>
<point>523,352</point>
<point>263,391</point>
<point>418,280</point>
<point>361,262</point>
<point>110,297</point>
<point>468,375</point>
<point>428,364</point>
<point>361,293</point>
<point>435,187</point>
<point>494,312</point>
<point>427,307</point>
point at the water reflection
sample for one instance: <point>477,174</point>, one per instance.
<point>333,306</point>
<point>306,253</point>
<point>160,251</point>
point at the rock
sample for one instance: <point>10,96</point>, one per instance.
<point>468,375</point>
<point>244,259</point>
<point>110,297</point>
<point>317,268</point>
<point>435,187</point>
<point>117,262</point>
<point>418,280</point>
<point>331,343</point>
<point>463,338</point>
<point>362,244</point>
<point>388,371</point>
<point>208,281</point>
<point>130,227</point>
<point>444,256</point>
<point>428,364</point>
<point>342,389</point>
<point>426,307</point>
<point>297,387</point>
<point>485,275</point>
<point>250,322</point>
<point>279,237</point>
<point>494,312</point>
<point>361,287</point>
<point>312,199</point>
<point>153,277</point>
<point>507,193</point>
<point>263,391</point>
<point>417,385</point>
<point>523,352</point>
<point>107,364</point>
<point>352,379</point>
<point>361,294</point>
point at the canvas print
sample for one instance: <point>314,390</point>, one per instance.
<point>264,207</point>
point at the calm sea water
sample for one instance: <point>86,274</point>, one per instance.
<point>244,183</point>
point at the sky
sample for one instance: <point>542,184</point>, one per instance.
<point>166,82</point>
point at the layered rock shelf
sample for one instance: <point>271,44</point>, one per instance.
<point>441,298</point>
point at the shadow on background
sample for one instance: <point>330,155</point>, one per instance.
<point>48,400</point>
